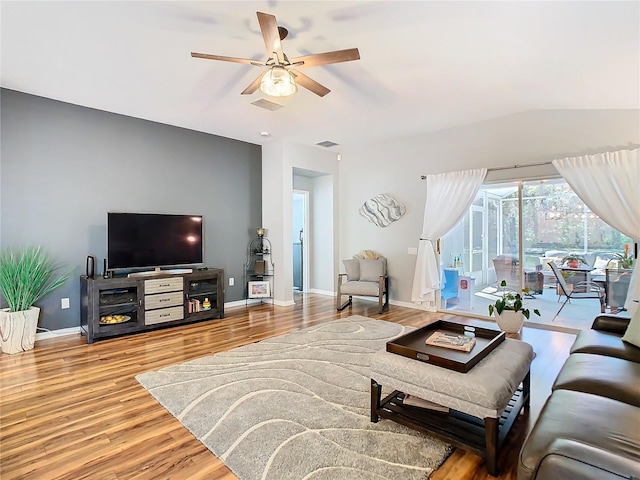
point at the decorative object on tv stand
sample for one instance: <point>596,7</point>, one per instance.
<point>26,276</point>
<point>509,310</point>
<point>382,210</point>
<point>206,304</point>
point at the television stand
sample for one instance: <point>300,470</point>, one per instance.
<point>158,271</point>
<point>121,305</point>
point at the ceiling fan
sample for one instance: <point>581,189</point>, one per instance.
<point>283,75</point>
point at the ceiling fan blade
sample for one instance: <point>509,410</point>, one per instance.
<point>310,84</point>
<point>271,35</point>
<point>326,58</point>
<point>253,86</point>
<point>227,59</point>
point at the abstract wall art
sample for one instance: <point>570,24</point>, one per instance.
<point>382,210</point>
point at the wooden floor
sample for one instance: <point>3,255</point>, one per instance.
<point>69,410</point>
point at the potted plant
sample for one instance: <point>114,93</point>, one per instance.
<point>625,260</point>
<point>509,310</point>
<point>25,277</point>
<point>573,261</point>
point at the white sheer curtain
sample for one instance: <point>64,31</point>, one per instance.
<point>609,184</point>
<point>449,196</point>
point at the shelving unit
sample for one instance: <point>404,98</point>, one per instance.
<point>202,290</point>
<point>122,305</point>
<point>259,270</point>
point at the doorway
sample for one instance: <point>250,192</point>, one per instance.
<point>299,231</point>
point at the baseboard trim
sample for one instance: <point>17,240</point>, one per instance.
<point>239,303</point>
<point>77,330</point>
<point>280,303</point>
<point>398,303</point>
<point>58,333</point>
<point>256,301</point>
<point>322,292</point>
<point>414,306</point>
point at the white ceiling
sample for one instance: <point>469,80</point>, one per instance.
<point>424,65</point>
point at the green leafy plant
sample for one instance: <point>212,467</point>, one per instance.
<point>625,260</point>
<point>511,301</point>
<point>567,275</point>
<point>28,275</point>
<point>573,258</point>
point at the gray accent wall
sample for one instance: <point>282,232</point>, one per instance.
<point>63,167</point>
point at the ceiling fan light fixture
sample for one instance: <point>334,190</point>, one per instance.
<point>278,82</point>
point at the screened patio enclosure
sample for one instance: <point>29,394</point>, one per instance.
<point>488,246</point>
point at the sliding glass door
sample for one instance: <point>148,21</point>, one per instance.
<point>477,249</point>
<point>556,220</point>
<point>488,231</point>
<point>485,248</point>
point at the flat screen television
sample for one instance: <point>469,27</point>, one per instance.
<point>150,240</point>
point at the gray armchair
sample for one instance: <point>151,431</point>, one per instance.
<point>366,277</point>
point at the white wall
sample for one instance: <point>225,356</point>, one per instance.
<point>322,274</point>
<point>276,209</point>
<point>395,168</point>
<point>280,159</point>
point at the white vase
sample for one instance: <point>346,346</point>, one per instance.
<point>18,330</point>
<point>510,321</point>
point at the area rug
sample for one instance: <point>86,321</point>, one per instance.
<point>297,407</point>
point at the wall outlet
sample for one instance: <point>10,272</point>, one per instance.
<point>232,281</point>
<point>64,303</point>
<point>412,251</point>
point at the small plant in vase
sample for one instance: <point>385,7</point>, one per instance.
<point>509,309</point>
<point>573,261</point>
<point>625,260</point>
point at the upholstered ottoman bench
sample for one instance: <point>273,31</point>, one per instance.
<point>482,404</point>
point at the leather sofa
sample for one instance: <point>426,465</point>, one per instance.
<point>589,428</point>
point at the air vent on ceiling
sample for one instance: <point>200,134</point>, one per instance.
<point>327,144</point>
<point>267,104</point>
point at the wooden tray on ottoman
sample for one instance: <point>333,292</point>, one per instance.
<point>413,345</point>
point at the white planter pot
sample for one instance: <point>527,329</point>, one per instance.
<point>510,321</point>
<point>18,329</point>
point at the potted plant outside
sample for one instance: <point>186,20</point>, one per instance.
<point>509,310</point>
<point>26,276</point>
<point>625,260</point>
<point>573,261</point>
